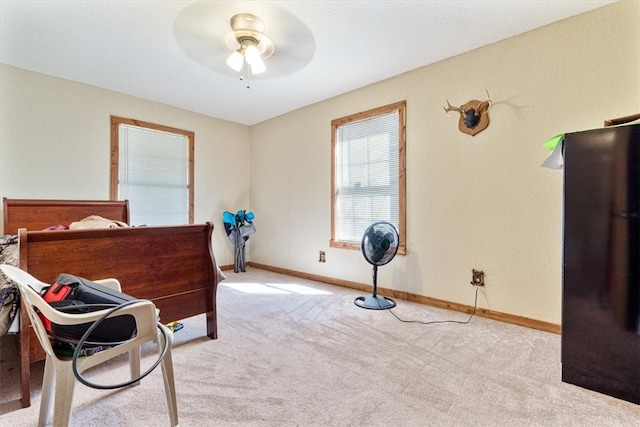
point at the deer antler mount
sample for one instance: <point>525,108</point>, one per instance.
<point>474,115</point>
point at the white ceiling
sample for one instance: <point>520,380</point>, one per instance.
<point>171,51</point>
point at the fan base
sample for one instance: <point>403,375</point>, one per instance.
<point>374,302</point>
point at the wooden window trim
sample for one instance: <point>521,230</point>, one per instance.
<point>115,151</point>
<point>401,107</point>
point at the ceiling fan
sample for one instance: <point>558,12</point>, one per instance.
<point>226,37</point>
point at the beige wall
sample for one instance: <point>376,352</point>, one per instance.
<point>473,202</point>
<point>55,142</point>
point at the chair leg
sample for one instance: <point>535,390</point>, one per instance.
<point>48,387</point>
<point>65,384</point>
<point>170,390</point>
<point>134,363</point>
<point>169,383</point>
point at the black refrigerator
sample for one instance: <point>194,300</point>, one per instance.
<point>601,261</point>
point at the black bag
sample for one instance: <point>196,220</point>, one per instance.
<point>71,293</point>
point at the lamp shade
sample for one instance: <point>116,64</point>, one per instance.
<point>258,67</point>
<point>235,61</point>
<point>251,54</point>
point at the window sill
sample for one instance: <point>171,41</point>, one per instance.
<point>356,246</point>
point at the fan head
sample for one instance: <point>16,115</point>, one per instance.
<point>380,243</point>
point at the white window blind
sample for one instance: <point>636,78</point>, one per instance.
<point>367,175</point>
<point>153,174</point>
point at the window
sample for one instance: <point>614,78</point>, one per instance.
<point>152,167</point>
<point>368,174</point>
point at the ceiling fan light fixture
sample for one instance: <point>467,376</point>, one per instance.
<point>251,54</point>
<point>248,43</point>
<point>258,67</point>
<point>235,61</point>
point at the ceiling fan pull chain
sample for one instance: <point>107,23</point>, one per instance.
<point>243,79</point>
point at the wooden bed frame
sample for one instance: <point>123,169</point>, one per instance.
<point>172,266</point>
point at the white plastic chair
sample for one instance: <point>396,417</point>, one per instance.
<point>59,379</point>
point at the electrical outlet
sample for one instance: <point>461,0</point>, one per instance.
<point>477,277</point>
<point>322,257</point>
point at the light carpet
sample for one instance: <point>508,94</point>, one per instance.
<point>293,352</point>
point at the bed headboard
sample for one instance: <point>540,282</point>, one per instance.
<point>38,214</point>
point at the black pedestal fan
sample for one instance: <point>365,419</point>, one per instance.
<point>379,246</point>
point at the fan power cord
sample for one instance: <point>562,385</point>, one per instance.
<point>473,312</point>
<point>84,340</point>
